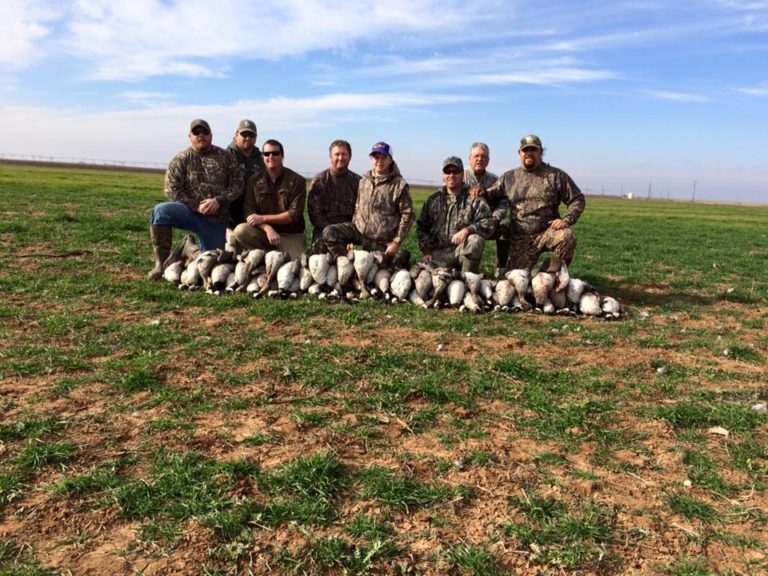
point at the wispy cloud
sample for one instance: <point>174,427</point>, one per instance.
<point>669,96</point>
<point>760,90</point>
<point>25,24</point>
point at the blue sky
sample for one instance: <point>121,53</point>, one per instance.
<point>624,94</point>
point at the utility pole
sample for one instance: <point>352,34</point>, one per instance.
<point>649,189</point>
<point>693,196</point>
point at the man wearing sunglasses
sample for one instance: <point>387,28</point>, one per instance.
<point>531,194</point>
<point>200,184</point>
<point>274,207</point>
<point>452,226</point>
<point>248,156</point>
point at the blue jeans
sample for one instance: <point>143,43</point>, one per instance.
<point>212,234</point>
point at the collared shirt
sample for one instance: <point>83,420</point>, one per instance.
<point>332,197</point>
<point>286,194</point>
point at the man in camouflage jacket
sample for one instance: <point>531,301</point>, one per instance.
<point>452,227</point>
<point>383,212</point>
<point>200,183</point>
<point>243,148</point>
<point>531,195</point>
<point>332,193</point>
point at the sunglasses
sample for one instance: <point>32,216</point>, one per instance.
<point>199,131</point>
<point>247,134</point>
<point>271,153</point>
<point>451,171</point>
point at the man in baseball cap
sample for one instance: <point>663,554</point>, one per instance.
<point>243,148</point>
<point>452,226</point>
<point>531,195</point>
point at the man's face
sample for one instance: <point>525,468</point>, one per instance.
<point>340,158</point>
<point>453,178</point>
<point>530,157</point>
<point>245,140</point>
<point>200,139</point>
<point>273,159</point>
<point>478,160</point>
<point>381,163</point>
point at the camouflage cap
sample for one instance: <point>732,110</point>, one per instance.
<point>197,122</point>
<point>453,161</point>
<point>530,141</point>
<point>381,148</point>
<point>247,126</point>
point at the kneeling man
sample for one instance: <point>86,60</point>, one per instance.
<point>452,227</point>
<point>274,207</point>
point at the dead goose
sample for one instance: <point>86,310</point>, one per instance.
<point>423,284</point>
<point>219,276</point>
<point>363,261</point>
<point>345,270</point>
<point>255,257</point>
<point>611,308</point>
<point>318,267</point>
<point>469,304</point>
<point>286,275</point>
<point>205,264</point>
<point>589,304</point>
<point>541,285</point>
<point>400,284</point>
<point>172,272</point>
<point>576,287</point>
<point>472,282</point>
<point>190,278</point>
<point>415,299</point>
<point>305,276</point>
<point>456,290</point>
<point>520,280</point>
<point>273,259</point>
<point>441,277</point>
<point>381,283</point>
<point>503,294</point>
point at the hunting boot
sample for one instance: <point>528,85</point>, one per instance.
<point>162,237</point>
<point>470,265</point>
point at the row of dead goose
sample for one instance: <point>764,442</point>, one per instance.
<point>361,274</point>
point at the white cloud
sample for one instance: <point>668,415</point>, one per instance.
<point>25,25</point>
<point>760,90</point>
<point>669,96</point>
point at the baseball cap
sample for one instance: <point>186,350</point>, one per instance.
<point>453,161</point>
<point>530,141</point>
<point>199,122</point>
<point>247,126</point>
<point>381,148</point>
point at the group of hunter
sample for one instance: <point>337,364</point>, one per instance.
<point>241,198</point>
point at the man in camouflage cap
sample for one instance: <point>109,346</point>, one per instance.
<point>531,195</point>
<point>200,183</point>
<point>383,212</point>
<point>452,227</point>
<point>243,148</point>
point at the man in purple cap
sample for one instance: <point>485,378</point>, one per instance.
<point>383,212</point>
<point>531,194</point>
<point>200,183</point>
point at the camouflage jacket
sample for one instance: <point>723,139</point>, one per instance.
<point>287,194</point>
<point>193,176</point>
<point>331,199</point>
<point>470,179</point>
<point>249,165</point>
<point>532,199</point>
<point>384,208</point>
<point>443,215</point>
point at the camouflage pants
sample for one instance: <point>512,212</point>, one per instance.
<point>470,249</point>
<point>338,236</point>
<point>248,237</point>
<point>525,250</point>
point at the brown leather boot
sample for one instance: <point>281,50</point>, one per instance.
<point>162,238</point>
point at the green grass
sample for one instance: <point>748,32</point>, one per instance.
<point>311,437</point>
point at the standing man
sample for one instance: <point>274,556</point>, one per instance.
<point>452,226</point>
<point>333,193</point>
<point>200,183</point>
<point>383,212</point>
<point>532,194</point>
<point>248,156</point>
<point>274,207</point>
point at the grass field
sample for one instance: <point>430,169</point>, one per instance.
<point>150,431</point>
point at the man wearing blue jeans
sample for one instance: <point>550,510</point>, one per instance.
<point>200,183</point>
